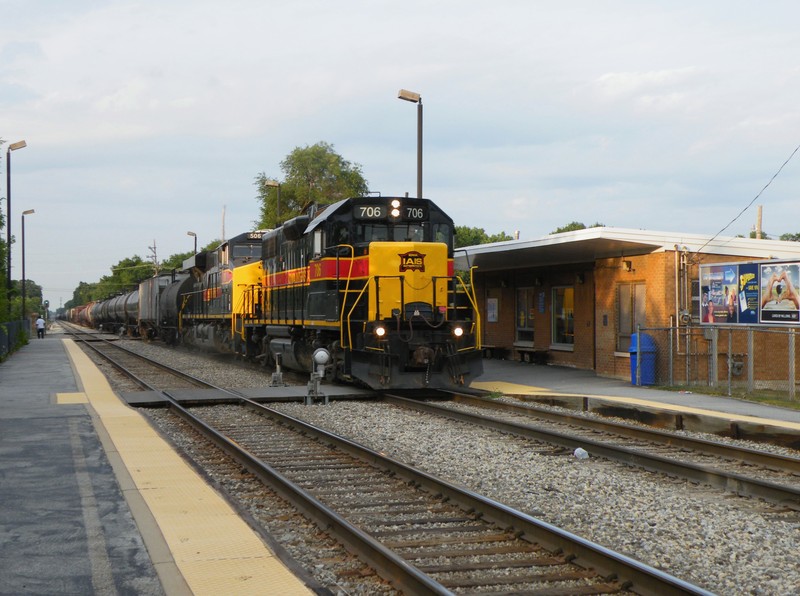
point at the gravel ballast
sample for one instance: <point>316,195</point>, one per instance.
<point>724,543</point>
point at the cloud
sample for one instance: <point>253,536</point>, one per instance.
<point>143,118</point>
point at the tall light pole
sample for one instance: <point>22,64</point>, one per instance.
<point>24,213</point>
<point>417,99</point>
<point>276,184</point>
<point>195,240</point>
<point>11,147</point>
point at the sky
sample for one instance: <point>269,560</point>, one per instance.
<point>147,119</point>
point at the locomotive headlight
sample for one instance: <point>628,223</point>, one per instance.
<point>458,331</point>
<point>395,212</point>
<point>379,331</point>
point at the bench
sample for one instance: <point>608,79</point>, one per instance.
<point>535,355</point>
<point>491,351</point>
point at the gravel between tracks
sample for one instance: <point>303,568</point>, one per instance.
<point>723,543</point>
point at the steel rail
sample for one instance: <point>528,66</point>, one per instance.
<point>631,574</point>
<point>133,376</point>
<point>388,564</point>
<point>744,454</point>
<point>728,481</point>
<point>641,577</point>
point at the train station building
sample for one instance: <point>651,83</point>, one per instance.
<point>576,298</point>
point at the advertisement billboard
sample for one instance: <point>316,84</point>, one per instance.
<point>779,300</point>
<point>750,293</point>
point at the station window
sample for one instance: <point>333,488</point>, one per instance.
<point>526,311</point>
<point>563,315</point>
<point>630,313</point>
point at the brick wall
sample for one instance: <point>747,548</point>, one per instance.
<point>596,305</point>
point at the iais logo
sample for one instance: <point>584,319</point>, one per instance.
<point>412,261</point>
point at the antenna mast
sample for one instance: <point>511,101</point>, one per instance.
<point>154,256</point>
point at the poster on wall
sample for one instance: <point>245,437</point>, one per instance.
<point>719,294</point>
<point>750,293</point>
<point>779,300</point>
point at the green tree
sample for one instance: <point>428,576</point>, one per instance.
<point>83,294</point>
<point>790,237</point>
<point>33,298</point>
<point>576,225</point>
<point>466,236</point>
<point>176,261</point>
<point>125,276</point>
<point>313,174</point>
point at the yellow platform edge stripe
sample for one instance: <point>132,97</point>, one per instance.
<point>213,548</point>
<point>515,389</point>
<point>71,398</point>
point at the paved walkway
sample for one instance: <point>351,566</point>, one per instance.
<point>66,527</point>
<point>94,501</point>
<point>531,379</point>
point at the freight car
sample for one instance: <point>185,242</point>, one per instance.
<point>368,282</point>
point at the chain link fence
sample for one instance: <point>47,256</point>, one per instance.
<point>13,335</point>
<point>734,360</point>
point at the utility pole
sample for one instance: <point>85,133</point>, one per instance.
<point>758,222</point>
<point>154,256</point>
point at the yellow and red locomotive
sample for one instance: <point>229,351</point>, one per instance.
<point>371,280</point>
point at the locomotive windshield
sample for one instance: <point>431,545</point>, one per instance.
<point>247,251</point>
<point>395,233</point>
<point>359,221</point>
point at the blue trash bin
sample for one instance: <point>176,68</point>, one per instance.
<point>647,350</point>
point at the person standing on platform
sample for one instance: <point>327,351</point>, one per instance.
<point>40,328</point>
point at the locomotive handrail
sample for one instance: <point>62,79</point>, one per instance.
<point>238,312</point>
<point>180,313</point>
<point>473,301</point>
<point>350,312</point>
<point>346,290</point>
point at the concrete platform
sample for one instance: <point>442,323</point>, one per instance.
<point>93,501</point>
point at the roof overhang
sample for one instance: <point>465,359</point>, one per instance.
<point>590,244</point>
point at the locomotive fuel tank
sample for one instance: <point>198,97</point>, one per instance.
<point>292,354</point>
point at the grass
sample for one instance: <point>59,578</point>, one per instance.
<point>762,396</point>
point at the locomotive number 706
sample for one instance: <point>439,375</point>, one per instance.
<point>371,211</point>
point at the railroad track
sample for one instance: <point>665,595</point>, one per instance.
<point>746,472</point>
<point>146,373</point>
<point>421,534</point>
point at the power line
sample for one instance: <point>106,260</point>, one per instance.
<point>755,198</point>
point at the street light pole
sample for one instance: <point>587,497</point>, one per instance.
<point>24,213</point>
<point>11,147</point>
<point>417,99</point>
<point>277,185</point>
<point>195,240</point>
